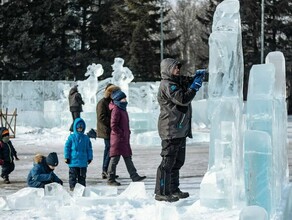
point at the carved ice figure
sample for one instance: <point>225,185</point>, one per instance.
<point>121,76</point>
<point>89,87</point>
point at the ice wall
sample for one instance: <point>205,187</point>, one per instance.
<point>223,184</point>
<point>265,146</point>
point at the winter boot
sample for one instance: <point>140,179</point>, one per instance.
<point>113,183</point>
<point>104,175</point>
<point>181,195</point>
<point>138,178</point>
<point>166,198</point>
<point>6,180</point>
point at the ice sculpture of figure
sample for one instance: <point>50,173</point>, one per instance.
<point>122,76</point>
<point>146,97</point>
<point>223,184</point>
<point>89,87</point>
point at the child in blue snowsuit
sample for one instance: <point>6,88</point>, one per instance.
<point>42,172</point>
<point>78,154</point>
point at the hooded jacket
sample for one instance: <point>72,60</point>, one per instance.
<point>175,104</point>
<point>103,113</point>
<point>75,100</point>
<point>41,174</point>
<point>78,146</point>
<point>120,132</point>
<point>7,150</point>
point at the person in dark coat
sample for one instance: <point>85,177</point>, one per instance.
<point>78,154</point>
<point>103,125</point>
<point>120,139</point>
<point>174,125</point>
<point>7,154</point>
<point>42,172</point>
<point>75,104</point>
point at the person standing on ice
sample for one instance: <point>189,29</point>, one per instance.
<point>78,154</point>
<point>174,126</point>
<point>75,104</point>
<point>120,138</point>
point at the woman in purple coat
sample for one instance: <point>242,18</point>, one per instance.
<point>120,139</point>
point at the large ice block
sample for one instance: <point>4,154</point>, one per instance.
<point>224,177</point>
<point>266,112</point>
<point>252,213</point>
<point>25,198</point>
<point>258,168</point>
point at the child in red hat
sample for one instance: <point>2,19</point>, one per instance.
<point>7,154</point>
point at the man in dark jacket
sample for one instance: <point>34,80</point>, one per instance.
<point>174,125</point>
<point>42,172</point>
<point>103,125</point>
<point>75,103</point>
<point>7,154</point>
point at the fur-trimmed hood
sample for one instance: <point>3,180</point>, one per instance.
<point>38,158</point>
<point>110,90</point>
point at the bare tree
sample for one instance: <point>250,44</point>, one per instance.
<point>186,25</point>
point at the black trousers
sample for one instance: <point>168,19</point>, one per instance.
<point>173,155</point>
<point>7,168</point>
<point>74,116</point>
<point>77,175</point>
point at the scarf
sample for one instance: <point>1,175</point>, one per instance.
<point>121,105</point>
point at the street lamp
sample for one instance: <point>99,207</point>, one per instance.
<point>262,31</point>
<point>161,30</point>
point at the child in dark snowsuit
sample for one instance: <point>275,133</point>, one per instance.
<point>42,172</point>
<point>7,154</point>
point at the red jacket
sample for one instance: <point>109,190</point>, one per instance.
<point>120,132</point>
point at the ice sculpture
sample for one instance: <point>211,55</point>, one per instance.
<point>121,76</point>
<point>89,87</point>
<point>266,135</point>
<point>223,184</point>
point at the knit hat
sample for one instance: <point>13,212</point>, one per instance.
<point>5,132</point>
<point>118,95</point>
<point>52,159</point>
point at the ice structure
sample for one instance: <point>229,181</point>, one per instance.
<point>248,166</point>
<point>121,76</point>
<point>265,141</point>
<point>89,87</point>
<point>223,183</point>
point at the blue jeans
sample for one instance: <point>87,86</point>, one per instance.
<point>106,158</point>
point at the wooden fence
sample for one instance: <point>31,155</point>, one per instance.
<point>8,120</point>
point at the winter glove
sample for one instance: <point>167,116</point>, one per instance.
<point>198,79</point>
<point>89,161</point>
<point>61,182</point>
<point>16,158</point>
<point>200,73</point>
<point>1,162</point>
<point>67,161</point>
<point>196,85</point>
